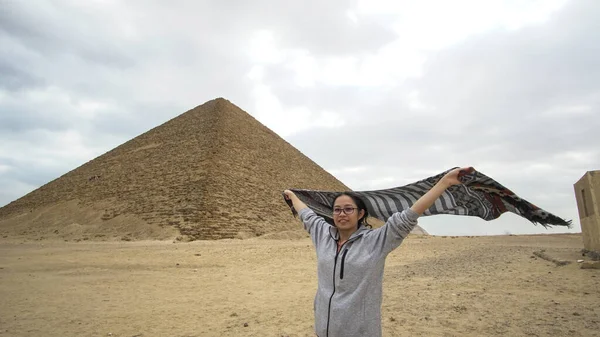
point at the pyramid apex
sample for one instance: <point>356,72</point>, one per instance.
<point>220,100</point>
<point>220,103</point>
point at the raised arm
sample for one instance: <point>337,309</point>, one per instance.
<point>451,178</point>
<point>400,224</point>
<point>314,224</point>
<point>298,204</point>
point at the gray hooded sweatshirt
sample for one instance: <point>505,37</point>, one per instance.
<point>348,299</point>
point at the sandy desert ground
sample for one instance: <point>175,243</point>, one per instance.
<point>434,286</point>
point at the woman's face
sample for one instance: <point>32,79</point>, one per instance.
<point>347,218</point>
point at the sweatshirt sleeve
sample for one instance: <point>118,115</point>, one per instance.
<point>389,236</point>
<point>314,224</point>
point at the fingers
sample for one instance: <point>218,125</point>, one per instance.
<point>455,176</point>
<point>466,170</point>
<point>288,194</point>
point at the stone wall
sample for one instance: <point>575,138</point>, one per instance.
<point>587,193</point>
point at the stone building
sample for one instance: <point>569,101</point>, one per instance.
<point>587,193</point>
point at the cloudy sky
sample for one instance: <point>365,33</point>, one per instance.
<point>379,93</point>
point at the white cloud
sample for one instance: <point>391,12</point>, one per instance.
<point>305,68</point>
<point>4,168</point>
<point>348,170</point>
<point>62,149</point>
<point>443,22</point>
<point>263,48</point>
<point>17,189</point>
<point>566,111</point>
<point>290,120</point>
<point>272,114</point>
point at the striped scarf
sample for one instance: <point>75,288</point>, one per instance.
<point>478,195</point>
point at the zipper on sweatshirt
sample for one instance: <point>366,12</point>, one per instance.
<point>342,268</point>
<point>337,253</point>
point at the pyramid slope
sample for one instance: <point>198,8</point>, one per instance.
<point>135,177</point>
<point>213,172</point>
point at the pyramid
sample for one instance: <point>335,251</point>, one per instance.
<point>213,172</point>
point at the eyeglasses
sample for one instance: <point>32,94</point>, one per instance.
<point>347,210</point>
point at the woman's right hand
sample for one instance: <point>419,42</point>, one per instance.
<point>297,203</point>
<point>288,194</point>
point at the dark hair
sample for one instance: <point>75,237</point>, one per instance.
<point>360,204</point>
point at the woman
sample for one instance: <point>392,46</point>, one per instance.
<point>351,258</point>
